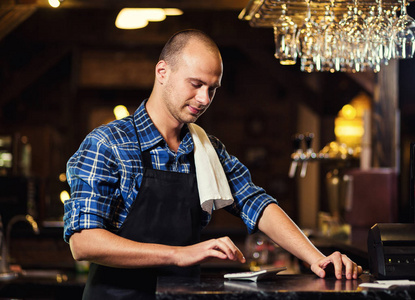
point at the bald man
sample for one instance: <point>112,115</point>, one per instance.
<point>135,212</point>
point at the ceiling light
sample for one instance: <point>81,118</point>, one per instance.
<point>124,22</point>
<point>173,11</point>
<point>55,3</point>
<point>134,18</point>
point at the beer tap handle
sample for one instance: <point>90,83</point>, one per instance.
<point>295,156</point>
<point>297,139</point>
<point>308,139</point>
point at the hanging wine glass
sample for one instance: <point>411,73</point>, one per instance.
<point>284,36</point>
<point>330,40</point>
<point>354,35</point>
<point>344,49</point>
<point>379,35</point>
<point>404,35</point>
<point>390,12</point>
<point>308,43</point>
<point>371,14</point>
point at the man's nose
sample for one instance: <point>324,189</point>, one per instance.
<point>203,96</point>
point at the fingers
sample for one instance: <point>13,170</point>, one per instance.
<point>359,270</point>
<point>352,270</point>
<point>318,270</point>
<point>226,246</point>
<point>222,248</point>
<point>342,266</point>
<point>337,261</point>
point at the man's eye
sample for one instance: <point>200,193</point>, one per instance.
<point>196,85</point>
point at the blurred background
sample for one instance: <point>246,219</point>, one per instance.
<point>63,71</point>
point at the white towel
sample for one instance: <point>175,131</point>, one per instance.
<point>214,191</point>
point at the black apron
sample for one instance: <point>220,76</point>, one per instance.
<point>166,211</point>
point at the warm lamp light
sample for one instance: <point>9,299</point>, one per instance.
<point>173,11</point>
<point>55,3</point>
<point>62,177</point>
<point>135,18</point>
<point>348,112</point>
<point>64,196</point>
<point>120,111</point>
<point>131,24</point>
<point>349,126</point>
<point>151,14</point>
<point>349,132</point>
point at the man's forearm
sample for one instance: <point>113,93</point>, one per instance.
<point>275,223</point>
<point>103,247</point>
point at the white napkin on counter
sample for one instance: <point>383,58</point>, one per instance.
<point>214,191</point>
<point>385,284</point>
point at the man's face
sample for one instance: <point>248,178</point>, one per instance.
<point>190,86</point>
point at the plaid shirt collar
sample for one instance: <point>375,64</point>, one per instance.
<point>149,135</point>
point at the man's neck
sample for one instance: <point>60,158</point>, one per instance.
<point>168,128</point>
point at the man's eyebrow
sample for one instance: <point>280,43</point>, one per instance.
<point>215,86</point>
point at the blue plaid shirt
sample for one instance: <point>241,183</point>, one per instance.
<point>105,175</point>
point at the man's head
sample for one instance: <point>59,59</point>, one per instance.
<point>174,47</point>
<point>187,75</point>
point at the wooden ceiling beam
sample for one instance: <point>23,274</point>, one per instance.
<point>13,16</point>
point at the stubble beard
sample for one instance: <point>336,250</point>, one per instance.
<point>177,109</point>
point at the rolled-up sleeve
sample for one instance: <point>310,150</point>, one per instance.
<point>93,178</point>
<point>249,199</point>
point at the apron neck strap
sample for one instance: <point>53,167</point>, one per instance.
<point>147,157</point>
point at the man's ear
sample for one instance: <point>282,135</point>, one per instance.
<point>161,71</point>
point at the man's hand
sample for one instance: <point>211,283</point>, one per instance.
<point>342,266</point>
<point>222,248</point>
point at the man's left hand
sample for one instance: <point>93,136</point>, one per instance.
<point>342,266</point>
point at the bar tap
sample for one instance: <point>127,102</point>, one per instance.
<point>308,154</point>
<point>296,155</point>
<point>5,272</point>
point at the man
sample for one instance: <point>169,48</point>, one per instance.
<point>134,210</point>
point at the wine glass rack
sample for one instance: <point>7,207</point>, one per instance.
<point>263,13</point>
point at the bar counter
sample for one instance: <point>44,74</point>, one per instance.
<point>293,287</point>
<point>211,286</point>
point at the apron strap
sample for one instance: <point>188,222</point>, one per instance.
<point>147,159</point>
